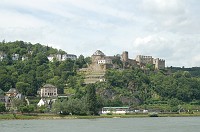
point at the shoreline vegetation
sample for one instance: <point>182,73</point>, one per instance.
<point>34,116</point>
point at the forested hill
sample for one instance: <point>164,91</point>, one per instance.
<point>35,70</point>
<point>194,71</point>
<point>122,87</point>
<point>24,48</point>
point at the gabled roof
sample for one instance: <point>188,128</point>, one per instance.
<point>48,86</point>
<point>99,52</point>
<point>13,90</point>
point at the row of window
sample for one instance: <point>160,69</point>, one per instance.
<point>50,94</point>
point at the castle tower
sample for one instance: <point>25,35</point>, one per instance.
<point>125,56</point>
<point>159,63</point>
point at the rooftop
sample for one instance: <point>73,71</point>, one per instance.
<point>99,52</point>
<point>13,90</point>
<point>48,86</point>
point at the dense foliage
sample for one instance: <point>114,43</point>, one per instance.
<point>2,107</point>
<point>123,87</point>
<point>86,105</point>
<point>150,85</point>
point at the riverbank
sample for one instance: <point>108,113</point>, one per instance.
<point>54,117</point>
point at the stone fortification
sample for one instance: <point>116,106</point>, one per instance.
<point>100,63</point>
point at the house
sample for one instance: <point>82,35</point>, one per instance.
<point>115,110</point>
<point>69,56</point>
<point>15,57</point>
<point>60,57</point>
<point>10,95</point>
<point>24,58</point>
<point>2,56</point>
<point>51,57</point>
<point>42,102</point>
<point>46,102</point>
<point>48,90</point>
<point>13,92</point>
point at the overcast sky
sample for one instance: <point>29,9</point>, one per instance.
<point>166,29</point>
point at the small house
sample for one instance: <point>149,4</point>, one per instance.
<point>13,93</point>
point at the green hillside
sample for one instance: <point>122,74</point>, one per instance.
<point>30,74</point>
<point>127,87</point>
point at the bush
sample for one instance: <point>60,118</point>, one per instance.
<point>2,107</point>
<point>26,109</point>
<point>153,114</point>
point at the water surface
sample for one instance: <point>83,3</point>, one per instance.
<point>164,124</point>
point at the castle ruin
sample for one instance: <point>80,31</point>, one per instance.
<point>100,63</point>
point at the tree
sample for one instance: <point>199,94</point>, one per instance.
<point>88,60</point>
<point>23,87</point>
<point>57,106</point>
<point>5,82</point>
<point>2,107</point>
<point>41,59</point>
<point>91,99</point>
<point>81,61</point>
<point>174,104</point>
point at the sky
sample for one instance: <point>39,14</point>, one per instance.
<point>166,29</point>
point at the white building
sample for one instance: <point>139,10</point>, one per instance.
<point>104,61</point>
<point>46,102</point>
<point>2,56</point>
<point>51,57</point>
<point>24,58</point>
<point>42,102</point>
<point>60,57</point>
<point>15,57</point>
<point>48,90</point>
<point>69,56</point>
<point>115,110</point>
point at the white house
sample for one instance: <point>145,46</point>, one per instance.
<point>41,103</point>
<point>60,57</point>
<point>47,102</point>
<point>51,57</point>
<point>15,57</point>
<point>69,56</point>
<point>2,56</point>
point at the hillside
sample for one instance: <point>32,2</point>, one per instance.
<point>26,67</point>
<point>127,87</point>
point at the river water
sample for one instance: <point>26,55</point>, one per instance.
<point>161,124</point>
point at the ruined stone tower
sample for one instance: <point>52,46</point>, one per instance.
<point>125,56</point>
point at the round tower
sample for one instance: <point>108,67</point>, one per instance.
<point>125,56</point>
